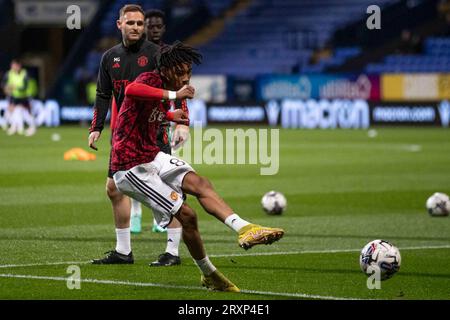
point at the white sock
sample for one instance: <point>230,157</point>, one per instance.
<point>17,121</point>
<point>173,240</point>
<point>235,222</point>
<point>136,208</point>
<point>205,266</point>
<point>123,242</point>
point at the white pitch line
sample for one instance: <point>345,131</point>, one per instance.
<point>234,255</point>
<point>127,283</point>
<point>318,251</point>
<point>297,295</point>
<point>279,253</point>
<point>43,264</point>
<point>168,286</point>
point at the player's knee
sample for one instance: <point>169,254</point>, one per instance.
<point>195,185</point>
<point>187,217</point>
<point>112,191</point>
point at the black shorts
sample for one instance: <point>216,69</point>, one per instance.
<point>22,101</point>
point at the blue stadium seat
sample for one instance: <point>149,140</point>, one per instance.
<point>436,58</point>
<point>256,35</point>
<point>216,7</point>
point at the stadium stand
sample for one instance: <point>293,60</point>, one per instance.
<point>276,36</point>
<point>400,43</point>
<point>248,38</point>
<point>436,58</point>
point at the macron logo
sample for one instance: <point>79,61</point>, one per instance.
<point>117,59</point>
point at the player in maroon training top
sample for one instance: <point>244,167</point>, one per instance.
<point>155,27</point>
<point>137,143</point>
<point>158,180</point>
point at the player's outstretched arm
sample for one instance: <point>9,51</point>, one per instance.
<point>142,91</point>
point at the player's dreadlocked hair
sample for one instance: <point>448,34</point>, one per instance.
<point>176,54</point>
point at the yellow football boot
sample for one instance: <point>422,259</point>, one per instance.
<point>218,282</point>
<point>254,234</point>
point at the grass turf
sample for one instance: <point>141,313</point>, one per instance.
<point>344,189</point>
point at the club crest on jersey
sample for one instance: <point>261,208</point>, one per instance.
<point>173,196</point>
<point>142,61</point>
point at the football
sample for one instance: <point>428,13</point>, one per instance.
<point>274,203</point>
<point>438,205</point>
<point>380,255</point>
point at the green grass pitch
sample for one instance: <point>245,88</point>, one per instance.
<point>343,188</point>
